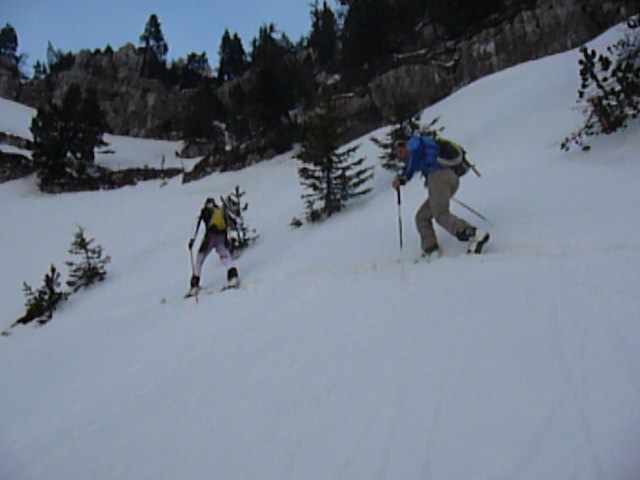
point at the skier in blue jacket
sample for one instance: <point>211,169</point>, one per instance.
<point>423,154</point>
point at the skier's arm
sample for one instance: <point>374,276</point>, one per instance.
<point>405,176</point>
<point>413,145</point>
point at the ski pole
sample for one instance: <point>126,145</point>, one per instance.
<point>475,212</point>
<point>399,215</point>
<point>193,265</point>
<point>400,233</point>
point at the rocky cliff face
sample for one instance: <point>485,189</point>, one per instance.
<point>438,68</point>
<point>142,107</point>
<point>133,105</point>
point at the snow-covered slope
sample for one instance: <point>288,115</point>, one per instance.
<point>336,361</point>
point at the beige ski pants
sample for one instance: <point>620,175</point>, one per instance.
<point>441,185</point>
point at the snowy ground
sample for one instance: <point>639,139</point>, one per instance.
<point>336,361</point>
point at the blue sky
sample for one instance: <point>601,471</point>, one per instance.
<point>187,25</point>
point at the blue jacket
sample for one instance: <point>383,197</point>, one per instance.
<point>423,157</point>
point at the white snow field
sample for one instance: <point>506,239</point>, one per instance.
<point>336,360</point>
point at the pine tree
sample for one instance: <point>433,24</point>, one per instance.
<point>223,54</point>
<point>189,73</point>
<point>39,70</point>
<point>41,303</point>
<point>154,48</point>
<point>57,60</point>
<point>65,136</point>
<point>458,15</point>
<point>375,28</point>
<point>331,177</point>
<point>324,33</point>
<point>9,43</point>
<point>203,116</point>
<point>92,265</point>
<point>239,234</point>
<point>232,57</point>
<point>199,64</point>
<point>364,32</point>
<point>274,92</point>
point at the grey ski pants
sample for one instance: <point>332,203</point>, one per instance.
<point>211,240</point>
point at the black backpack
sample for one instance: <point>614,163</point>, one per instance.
<point>454,156</point>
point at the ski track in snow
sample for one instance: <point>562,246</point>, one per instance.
<point>386,265</point>
<point>576,381</point>
<point>576,386</point>
<point>434,422</point>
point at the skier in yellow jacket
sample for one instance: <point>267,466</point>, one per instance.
<point>216,219</point>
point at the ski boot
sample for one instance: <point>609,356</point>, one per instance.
<point>233,281</point>
<point>194,287</point>
<point>430,253</point>
<point>476,239</point>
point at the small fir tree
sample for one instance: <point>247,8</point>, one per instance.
<point>405,123</point>
<point>431,129</point>
<point>239,234</point>
<point>90,268</point>
<point>331,176</point>
<point>403,128</point>
<point>400,131</point>
<point>41,303</point>
<point>609,88</point>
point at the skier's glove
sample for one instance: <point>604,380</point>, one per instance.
<point>399,180</point>
<point>191,242</point>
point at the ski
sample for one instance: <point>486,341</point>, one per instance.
<point>192,292</point>
<point>231,285</point>
<point>235,285</point>
<point>475,248</point>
